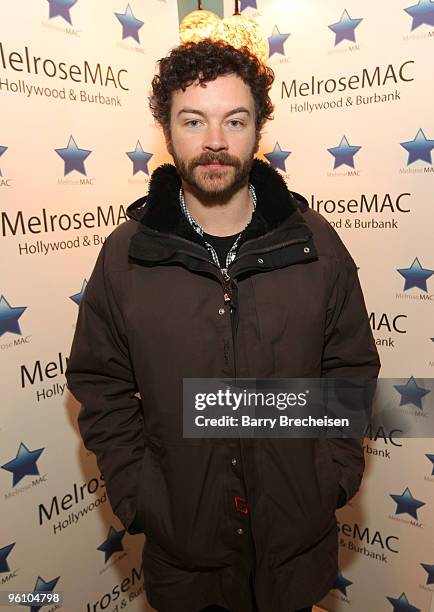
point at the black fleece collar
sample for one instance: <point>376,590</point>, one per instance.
<point>160,209</point>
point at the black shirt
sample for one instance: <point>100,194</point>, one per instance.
<point>222,245</point>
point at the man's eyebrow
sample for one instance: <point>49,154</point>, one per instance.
<point>239,109</point>
<point>194,111</point>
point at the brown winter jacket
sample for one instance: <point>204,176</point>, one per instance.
<point>215,510</point>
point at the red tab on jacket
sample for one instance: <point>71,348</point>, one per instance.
<point>241,504</point>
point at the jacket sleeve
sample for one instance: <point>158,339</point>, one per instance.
<point>349,352</point>
<point>100,376</point>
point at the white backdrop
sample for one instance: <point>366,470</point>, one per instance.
<point>354,82</point>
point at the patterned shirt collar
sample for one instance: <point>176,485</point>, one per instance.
<point>199,229</point>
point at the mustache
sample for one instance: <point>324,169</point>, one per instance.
<point>215,158</point>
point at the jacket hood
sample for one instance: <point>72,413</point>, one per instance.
<point>160,210</point>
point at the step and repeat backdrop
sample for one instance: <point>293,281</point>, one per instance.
<point>353,132</point>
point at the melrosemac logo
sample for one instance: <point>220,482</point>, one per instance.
<point>77,297</point>
<point>61,8</point>
<point>276,42</point>
<point>27,63</point>
<point>411,393</point>
<point>419,148</point>
<point>401,604</point>
<point>246,3</point>
<point>344,29</point>
<point>365,78</point>
<point>113,543</point>
<point>73,157</point>
<point>277,157</point>
<point>130,24</point>
<point>42,586</point>
<point>140,159</point>
<point>430,572</point>
<point>430,457</point>
<point>344,153</point>
<point>422,13</point>
<point>407,504</point>
<point>4,553</point>
<point>341,584</point>
<point>2,150</point>
<point>24,463</point>
<point>416,276</point>
<point>9,316</point>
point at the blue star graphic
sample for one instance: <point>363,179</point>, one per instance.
<point>411,393</point>
<point>341,584</point>
<point>73,157</point>
<point>277,157</point>
<point>344,29</point>
<point>43,587</point>
<point>431,458</point>
<point>2,150</point>
<point>4,552</point>
<point>113,543</point>
<point>407,504</point>
<point>422,13</point>
<point>9,316</point>
<point>276,41</point>
<point>401,604</point>
<point>419,148</point>
<point>130,25</point>
<point>61,8</point>
<point>245,3</point>
<point>24,463</point>
<point>430,571</point>
<point>415,276</point>
<point>344,153</point>
<point>140,159</point>
<point>77,297</point>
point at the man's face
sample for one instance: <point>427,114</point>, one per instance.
<point>213,136</point>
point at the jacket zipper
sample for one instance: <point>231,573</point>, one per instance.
<point>226,286</point>
<point>227,295</point>
<point>228,299</point>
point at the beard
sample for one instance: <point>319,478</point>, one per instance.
<point>217,184</point>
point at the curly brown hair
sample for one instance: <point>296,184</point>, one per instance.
<point>205,61</point>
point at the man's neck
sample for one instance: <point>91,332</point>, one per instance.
<point>225,218</point>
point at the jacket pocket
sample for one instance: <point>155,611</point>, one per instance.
<point>297,496</point>
<point>181,502</point>
<point>152,513</point>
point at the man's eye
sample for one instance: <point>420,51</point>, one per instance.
<point>192,122</point>
<point>235,123</point>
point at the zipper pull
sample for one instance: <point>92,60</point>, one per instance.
<point>226,285</point>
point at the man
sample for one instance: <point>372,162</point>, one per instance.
<point>220,272</point>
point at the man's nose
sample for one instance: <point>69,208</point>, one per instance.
<point>215,139</point>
